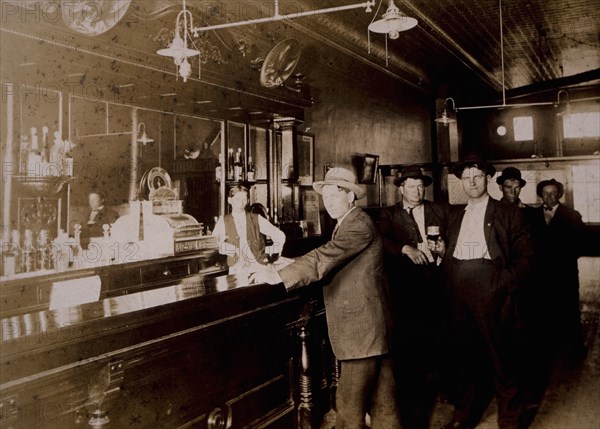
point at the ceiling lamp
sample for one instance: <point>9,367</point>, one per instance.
<point>445,119</point>
<point>178,48</point>
<point>180,52</point>
<point>392,22</point>
<point>562,109</point>
<point>143,137</point>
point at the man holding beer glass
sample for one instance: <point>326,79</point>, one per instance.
<point>414,245</point>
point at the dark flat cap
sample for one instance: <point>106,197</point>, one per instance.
<point>412,172</point>
<point>511,173</point>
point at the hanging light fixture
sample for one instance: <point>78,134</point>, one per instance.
<point>393,22</point>
<point>445,119</point>
<point>178,48</point>
<point>143,137</point>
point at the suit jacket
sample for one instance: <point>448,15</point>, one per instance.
<point>559,243</point>
<point>354,291</point>
<point>508,239</point>
<point>398,229</point>
<point>104,216</point>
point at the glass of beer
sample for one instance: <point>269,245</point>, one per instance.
<point>433,234</point>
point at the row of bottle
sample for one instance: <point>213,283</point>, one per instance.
<point>29,255</point>
<point>48,159</point>
<point>235,167</point>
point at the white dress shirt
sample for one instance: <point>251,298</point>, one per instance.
<point>471,238</point>
<point>549,214</point>
<point>418,213</point>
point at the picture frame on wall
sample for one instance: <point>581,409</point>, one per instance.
<point>368,170</point>
<point>306,158</point>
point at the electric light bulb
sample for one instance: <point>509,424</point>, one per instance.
<point>394,35</point>
<point>185,70</point>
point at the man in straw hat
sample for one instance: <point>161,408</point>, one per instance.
<point>418,298</point>
<point>488,256</point>
<point>356,304</point>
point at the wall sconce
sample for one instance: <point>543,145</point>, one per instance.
<point>178,48</point>
<point>445,119</point>
<point>562,109</point>
<point>143,137</point>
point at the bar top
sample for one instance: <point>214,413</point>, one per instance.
<point>22,327</point>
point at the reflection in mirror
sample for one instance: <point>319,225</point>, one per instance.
<point>236,151</point>
<point>257,150</point>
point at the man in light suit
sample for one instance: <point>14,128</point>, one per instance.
<point>356,305</point>
<point>419,304</point>
<point>488,257</point>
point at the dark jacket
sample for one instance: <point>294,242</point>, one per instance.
<point>356,300</point>
<point>508,239</point>
<point>398,229</point>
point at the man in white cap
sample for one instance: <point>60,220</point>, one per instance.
<point>356,304</point>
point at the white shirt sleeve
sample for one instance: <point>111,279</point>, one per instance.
<point>278,237</point>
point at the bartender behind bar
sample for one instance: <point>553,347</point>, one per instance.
<point>240,233</point>
<point>99,216</point>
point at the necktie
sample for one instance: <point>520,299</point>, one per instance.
<point>412,217</point>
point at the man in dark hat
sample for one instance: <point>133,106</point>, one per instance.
<point>488,256</point>
<point>559,234</point>
<point>418,304</point>
<point>511,183</point>
<point>356,304</point>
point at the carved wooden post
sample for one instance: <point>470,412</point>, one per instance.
<point>305,417</point>
<point>335,377</point>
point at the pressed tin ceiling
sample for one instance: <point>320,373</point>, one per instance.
<point>454,43</point>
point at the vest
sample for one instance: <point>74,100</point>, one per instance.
<point>253,235</point>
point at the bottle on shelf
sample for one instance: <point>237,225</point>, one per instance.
<point>230,161</point>
<point>68,163</point>
<point>238,167</point>
<point>219,168</point>
<point>43,257</point>
<point>251,176</point>
<point>28,253</point>
<point>34,156</point>
<point>45,146</point>
<point>11,254</point>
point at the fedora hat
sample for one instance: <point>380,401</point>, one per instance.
<point>341,177</point>
<point>412,172</point>
<point>473,160</point>
<point>544,183</point>
<point>511,173</point>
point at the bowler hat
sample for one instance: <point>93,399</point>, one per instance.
<point>473,160</point>
<point>341,177</point>
<point>412,172</point>
<point>543,183</point>
<point>511,173</point>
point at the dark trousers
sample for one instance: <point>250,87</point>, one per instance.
<point>486,358</point>
<point>367,386</point>
<point>420,313</point>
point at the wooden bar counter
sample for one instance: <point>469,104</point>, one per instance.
<point>195,352</point>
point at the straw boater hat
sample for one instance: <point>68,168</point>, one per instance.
<point>412,172</point>
<point>543,183</point>
<point>340,177</point>
<point>473,160</point>
<point>511,173</point>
